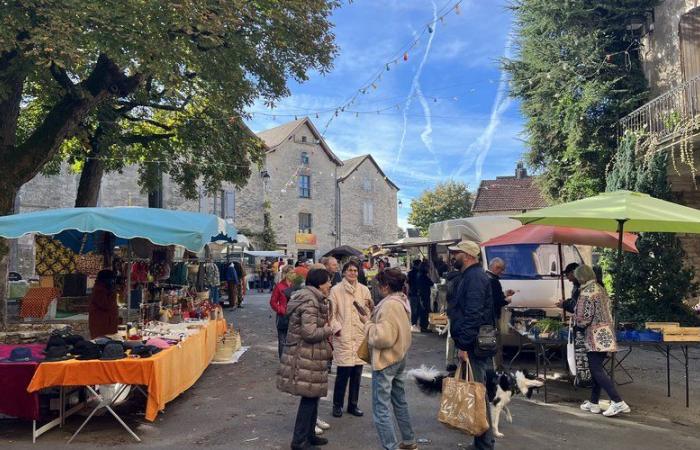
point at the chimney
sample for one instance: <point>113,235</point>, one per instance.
<point>520,171</point>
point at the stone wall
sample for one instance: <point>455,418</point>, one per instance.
<point>660,51</point>
<point>283,193</point>
<point>366,186</point>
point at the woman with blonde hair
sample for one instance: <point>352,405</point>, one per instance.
<point>594,316</point>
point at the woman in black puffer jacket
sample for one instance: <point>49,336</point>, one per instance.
<point>304,364</point>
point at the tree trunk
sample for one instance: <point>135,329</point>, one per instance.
<point>90,182</point>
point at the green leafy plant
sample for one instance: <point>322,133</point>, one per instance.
<point>548,325</point>
<point>449,200</point>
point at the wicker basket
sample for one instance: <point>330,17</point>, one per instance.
<point>227,345</point>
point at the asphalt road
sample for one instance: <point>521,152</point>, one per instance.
<point>238,407</point>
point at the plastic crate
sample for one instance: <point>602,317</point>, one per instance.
<point>650,336</point>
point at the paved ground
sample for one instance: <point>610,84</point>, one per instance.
<point>237,406</point>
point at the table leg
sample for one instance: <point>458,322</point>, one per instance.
<point>105,404</point>
<point>668,371</point>
<point>537,359</point>
<point>544,368</point>
<point>687,391</point>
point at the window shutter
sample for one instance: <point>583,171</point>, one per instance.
<point>229,204</point>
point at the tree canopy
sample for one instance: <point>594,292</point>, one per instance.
<point>577,72</point>
<point>185,69</point>
<point>449,200</point>
<point>652,284</point>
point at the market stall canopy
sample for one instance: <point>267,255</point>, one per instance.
<point>160,226</point>
<point>478,229</point>
<point>264,253</point>
<point>344,250</point>
<point>549,234</point>
<point>636,211</point>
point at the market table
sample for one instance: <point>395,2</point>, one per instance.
<point>166,374</point>
<point>15,401</point>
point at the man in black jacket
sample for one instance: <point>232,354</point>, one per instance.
<point>500,298</point>
<point>471,308</point>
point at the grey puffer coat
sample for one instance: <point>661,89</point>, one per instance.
<point>304,365</point>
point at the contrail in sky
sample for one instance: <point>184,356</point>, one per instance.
<point>415,89</point>
<point>478,150</point>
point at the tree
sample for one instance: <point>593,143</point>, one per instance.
<point>653,283</point>
<point>400,233</point>
<point>577,72</point>
<point>449,200</point>
<point>61,62</point>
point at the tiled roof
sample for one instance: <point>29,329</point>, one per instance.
<point>508,194</point>
<point>350,165</point>
<point>275,136</point>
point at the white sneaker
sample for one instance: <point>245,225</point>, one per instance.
<point>415,329</point>
<point>322,425</point>
<point>590,407</point>
<point>616,408</point>
<point>318,431</point>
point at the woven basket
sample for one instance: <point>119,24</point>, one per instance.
<point>227,345</point>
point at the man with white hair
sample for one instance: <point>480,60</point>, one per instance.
<point>500,299</point>
<point>332,267</point>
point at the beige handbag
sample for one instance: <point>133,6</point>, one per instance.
<point>363,351</point>
<point>463,403</point>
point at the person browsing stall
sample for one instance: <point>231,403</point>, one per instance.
<point>470,309</point>
<point>278,303</point>
<point>570,303</point>
<point>103,312</point>
<point>349,300</point>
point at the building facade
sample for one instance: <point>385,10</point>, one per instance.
<point>670,53</point>
<point>368,203</point>
<point>301,182</point>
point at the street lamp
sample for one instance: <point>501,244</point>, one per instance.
<point>400,204</point>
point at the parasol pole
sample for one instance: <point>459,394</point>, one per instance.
<point>128,281</point>
<point>616,284</point>
<point>561,278</point>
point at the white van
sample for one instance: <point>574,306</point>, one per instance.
<point>532,270</point>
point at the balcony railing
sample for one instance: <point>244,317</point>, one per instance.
<point>662,115</point>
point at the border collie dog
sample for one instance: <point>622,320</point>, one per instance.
<point>501,387</point>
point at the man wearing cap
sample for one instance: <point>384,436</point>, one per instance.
<point>471,308</point>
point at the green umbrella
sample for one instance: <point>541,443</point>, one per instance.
<point>618,211</point>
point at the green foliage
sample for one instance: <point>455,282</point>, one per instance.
<point>201,63</point>
<point>268,238</point>
<point>449,200</point>
<point>576,72</point>
<point>653,284</point>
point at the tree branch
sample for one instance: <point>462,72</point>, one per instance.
<point>149,121</point>
<point>131,105</point>
<point>145,138</point>
<point>61,76</point>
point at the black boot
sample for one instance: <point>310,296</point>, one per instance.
<point>316,440</point>
<point>337,411</point>
<point>355,411</point>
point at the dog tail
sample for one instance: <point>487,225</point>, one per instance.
<point>428,379</point>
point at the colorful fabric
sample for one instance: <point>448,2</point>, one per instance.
<point>166,374</point>
<point>52,258</point>
<point>36,302</point>
<point>15,401</point>
<point>211,275</point>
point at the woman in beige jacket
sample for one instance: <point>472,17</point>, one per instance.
<point>348,299</point>
<point>389,338</point>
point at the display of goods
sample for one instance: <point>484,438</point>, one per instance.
<point>437,319</point>
<point>650,336</point>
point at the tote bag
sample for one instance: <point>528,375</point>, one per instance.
<point>571,349</point>
<point>463,403</point>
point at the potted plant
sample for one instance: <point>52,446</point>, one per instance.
<point>548,327</point>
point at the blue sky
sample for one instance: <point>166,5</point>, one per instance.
<point>454,119</point>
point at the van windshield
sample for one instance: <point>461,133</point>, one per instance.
<point>532,261</point>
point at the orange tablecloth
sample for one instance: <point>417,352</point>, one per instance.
<point>166,374</point>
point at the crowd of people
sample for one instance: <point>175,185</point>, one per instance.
<point>326,315</point>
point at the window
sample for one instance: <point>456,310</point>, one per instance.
<point>303,139</point>
<point>368,213</point>
<point>304,159</point>
<point>367,184</point>
<point>305,186</point>
<point>532,261</point>
<point>304,223</point>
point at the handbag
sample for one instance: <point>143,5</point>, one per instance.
<point>363,351</point>
<point>463,403</point>
<point>603,338</point>
<point>486,342</point>
<point>571,349</point>
<point>89,263</point>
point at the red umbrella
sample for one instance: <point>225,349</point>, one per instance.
<point>549,234</point>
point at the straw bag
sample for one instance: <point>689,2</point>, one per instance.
<point>463,403</point>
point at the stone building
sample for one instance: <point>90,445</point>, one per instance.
<point>301,181</point>
<point>368,203</point>
<point>670,53</point>
<point>508,195</point>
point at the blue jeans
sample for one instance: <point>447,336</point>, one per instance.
<point>480,366</point>
<point>388,387</point>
